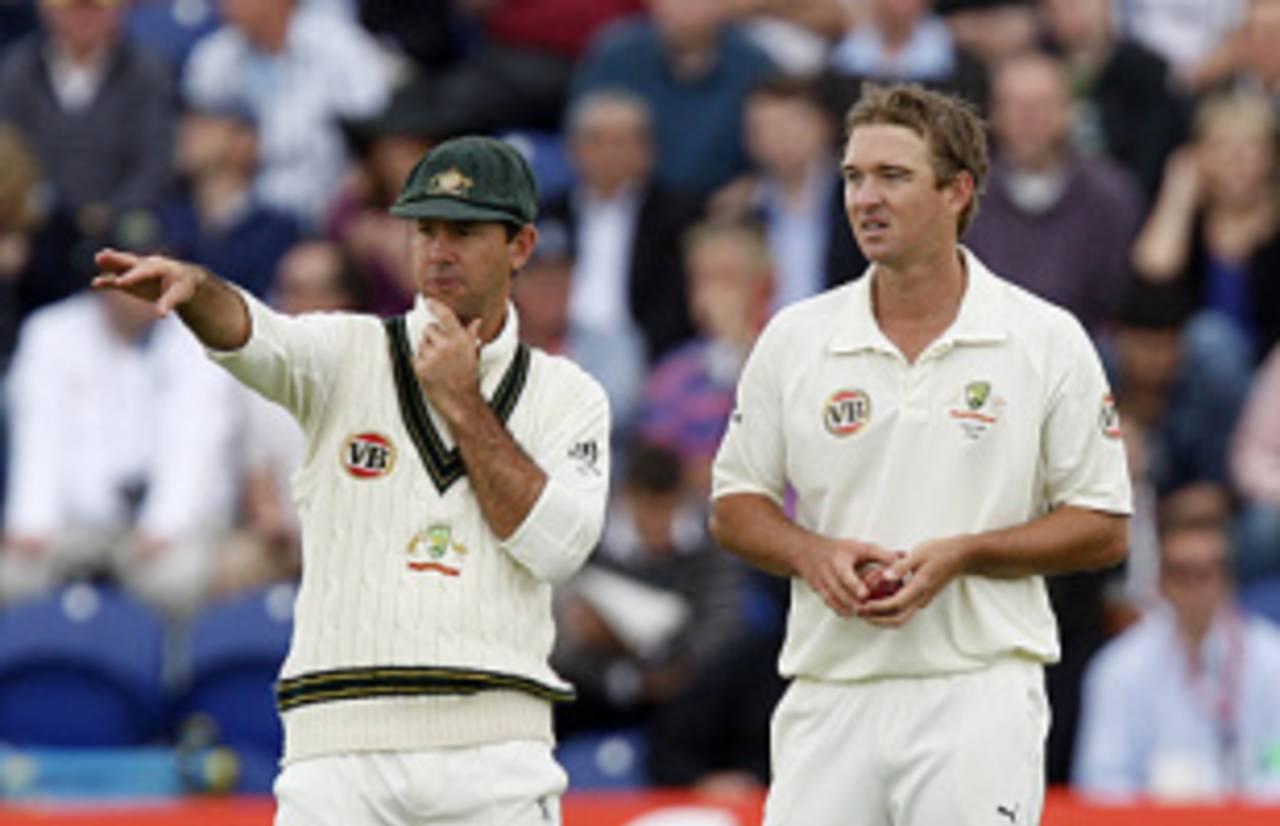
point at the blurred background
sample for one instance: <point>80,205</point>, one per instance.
<point>687,153</point>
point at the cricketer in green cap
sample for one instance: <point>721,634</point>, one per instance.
<point>472,178</point>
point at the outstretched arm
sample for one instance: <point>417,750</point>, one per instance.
<point>209,306</point>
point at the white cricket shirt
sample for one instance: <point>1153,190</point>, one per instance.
<point>1004,417</point>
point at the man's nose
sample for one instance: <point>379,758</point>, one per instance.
<point>864,193</point>
<point>441,248</point>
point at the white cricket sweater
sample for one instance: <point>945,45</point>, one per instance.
<point>415,627</point>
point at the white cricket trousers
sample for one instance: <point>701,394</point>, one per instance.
<point>517,783</point>
<point>956,750</point>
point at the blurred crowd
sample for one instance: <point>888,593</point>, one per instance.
<point>688,156</point>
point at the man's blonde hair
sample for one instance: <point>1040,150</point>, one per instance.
<point>951,126</point>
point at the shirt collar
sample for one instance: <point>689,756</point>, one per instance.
<point>975,323</point>
<point>494,355</point>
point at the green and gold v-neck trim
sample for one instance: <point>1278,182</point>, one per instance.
<point>444,465</point>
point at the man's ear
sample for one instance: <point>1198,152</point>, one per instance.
<point>961,191</point>
<point>522,246</point>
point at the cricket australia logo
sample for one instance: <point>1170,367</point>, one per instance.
<point>433,550</point>
<point>976,394</point>
<point>450,182</point>
<point>368,455</point>
<point>977,410</point>
<point>846,412</point>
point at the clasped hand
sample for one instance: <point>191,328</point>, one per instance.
<point>835,576</point>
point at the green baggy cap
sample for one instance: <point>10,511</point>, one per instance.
<point>472,178</point>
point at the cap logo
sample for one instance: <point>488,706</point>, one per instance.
<point>450,182</point>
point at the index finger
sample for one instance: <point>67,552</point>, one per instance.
<point>114,260</point>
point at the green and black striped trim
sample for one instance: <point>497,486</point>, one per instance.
<point>404,681</point>
<point>444,466</point>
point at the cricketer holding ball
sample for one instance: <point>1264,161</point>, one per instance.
<point>929,407</point>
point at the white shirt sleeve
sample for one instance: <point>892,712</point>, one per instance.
<point>565,523</point>
<point>291,360</point>
<point>1083,452</point>
<point>752,455</point>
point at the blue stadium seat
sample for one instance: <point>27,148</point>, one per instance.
<point>605,760</point>
<point>235,650</point>
<point>1262,597</point>
<point>81,667</point>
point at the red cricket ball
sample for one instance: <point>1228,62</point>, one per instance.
<point>880,586</point>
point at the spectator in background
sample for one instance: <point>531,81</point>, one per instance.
<point>1183,706</point>
<point>97,111</point>
<point>520,67</point>
<point>1247,59</point>
<point>1216,224</point>
<point>1193,36</point>
<point>120,434</point>
<point>656,602</point>
<point>1125,107</point>
<point>218,220</point>
<point>17,19</point>
<point>1255,471</point>
<point>692,65</point>
<point>795,190</point>
<point>314,276</point>
<point>689,395</point>
<point>624,227</point>
<point>432,34</point>
<point>901,40</point>
<point>299,70</point>
<point>991,30</point>
<point>1062,223</point>
<point>1257,63</point>
<point>170,29</point>
<point>38,242</point>
<point>385,146</point>
<point>1180,380</point>
<point>797,36</point>
<point>543,292</point>
<point>715,736</point>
